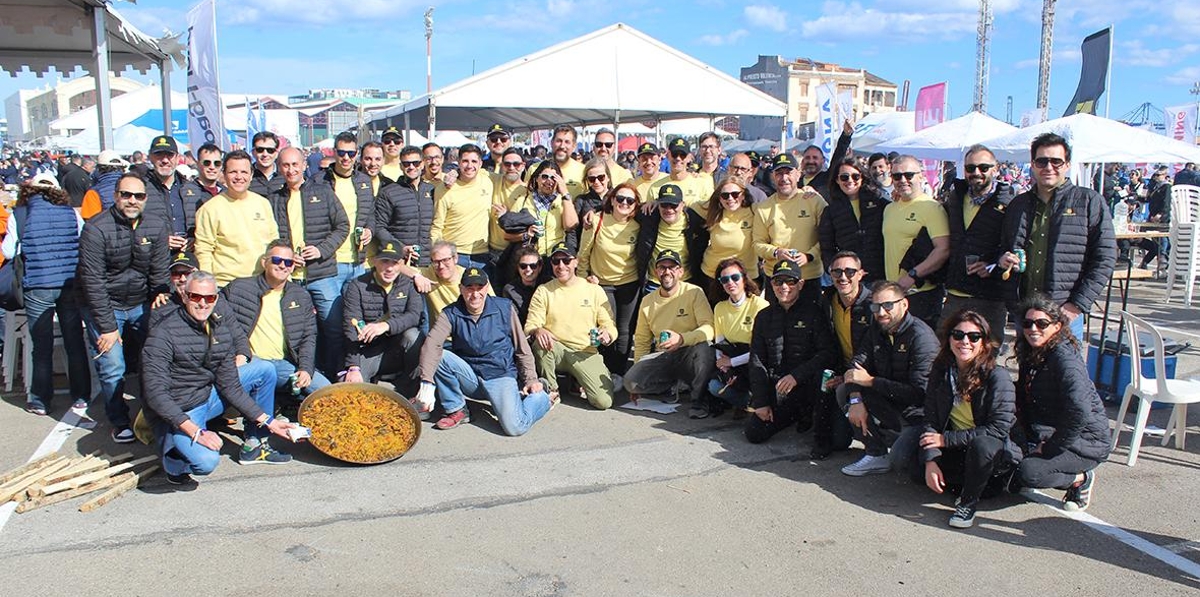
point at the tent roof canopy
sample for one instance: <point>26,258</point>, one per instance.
<point>1096,140</point>
<point>593,79</point>
<point>42,34</point>
<point>949,140</point>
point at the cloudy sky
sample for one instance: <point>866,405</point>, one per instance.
<point>287,46</point>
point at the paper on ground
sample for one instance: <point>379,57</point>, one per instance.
<point>656,406</point>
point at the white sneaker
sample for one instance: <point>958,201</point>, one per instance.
<point>868,465</point>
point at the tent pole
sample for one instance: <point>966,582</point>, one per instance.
<point>164,72</point>
<point>103,92</point>
<point>432,119</point>
<point>407,127</point>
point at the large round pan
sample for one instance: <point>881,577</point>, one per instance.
<point>361,423</point>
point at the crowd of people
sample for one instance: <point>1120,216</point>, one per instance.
<point>846,300</point>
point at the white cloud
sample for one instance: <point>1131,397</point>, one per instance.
<point>851,22</point>
<point>561,8</point>
<point>327,12</point>
<point>717,39</point>
<point>766,16</point>
<point>1184,76</point>
<point>1135,54</point>
<point>1061,56</point>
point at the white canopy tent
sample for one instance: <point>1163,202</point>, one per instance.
<point>879,127</point>
<point>948,140</point>
<point>598,78</point>
<point>1096,140</point>
<point>124,109</point>
<point>126,139</point>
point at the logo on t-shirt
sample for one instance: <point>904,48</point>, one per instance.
<point>912,216</point>
<point>682,313</point>
<point>902,348</point>
<point>804,213</point>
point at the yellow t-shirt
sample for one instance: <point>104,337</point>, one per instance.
<point>295,216</point>
<point>673,237</point>
<point>619,174</point>
<point>961,416</point>
<point>697,190</point>
<point>731,237</point>
<point>573,176</point>
<point>902,222</point>
<point>643,186</point>
<point>686,313</point>
<point>608,253</point>
<point>842,328</point>
<point>570,311</point>
<point>735,323</point>
<point>789,223</point>
<point>442,293</point>
<point>231,235</point>
<point>462,214</point>
<point>266,340</point>
<point>344,189</point>
<point>506,195</point>
<point>391,171</point>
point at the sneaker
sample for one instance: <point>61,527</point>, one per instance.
<point>123,435</point>
<point>963,517</point>
<point>80,404</point>
<point>36,408</point>
<point>698,412</point>
<point>1078,498</point>
<point>183,482</point>
<point>454,419</point>
<point>868,465</point>
<point>262,454</point>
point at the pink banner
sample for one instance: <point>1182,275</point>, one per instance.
<point>931,110</point>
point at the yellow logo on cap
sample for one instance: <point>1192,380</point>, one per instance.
<point>784,265</point>
<point>388,247</point>
<point>473,272</point>
<point>161,141</point>
<point>182,257</point>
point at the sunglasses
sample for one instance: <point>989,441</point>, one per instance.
<point>849,177</point>
<point>347,153</point>
<point>598,178</point>
<point>560,260</point>
<point>285,262</point>
<point>498,139</point>
<point>410,163</point>
<point>886,306</point>
<point>838,272</point>
<point>132,195</point>
<point>959,335</point>
<point>730,278</point>
<point>1041,323</point>
<point>1044,163</point>
<point>625,199</point>
<point>207,299</point>
<point>264,149</point>
<point>898,176</point>
<point>546,177</point>
<point>513,164</point>
<point>668,206</point>
<point>679,156</point>
<point>605,144</point>
<point>392,141</point>
<point>971,168</point>
<point>211,163</point>
<point>731,194</point>
<point>785,281</point>
<point>531,266</point>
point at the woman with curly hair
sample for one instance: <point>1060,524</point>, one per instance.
<point>733,321</point>
<point>970,408</point>
<point>1059,412</point>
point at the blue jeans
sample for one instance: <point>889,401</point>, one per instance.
<point>732,395</point>
<point>40,306</point>
<point>455,381</point>
<point>284,370</point>
<point>327,298</point>
<point>110,366</point>
<point>1077,329</point>
<point>180,455</point>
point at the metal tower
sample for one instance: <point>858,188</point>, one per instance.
<point>983,57</point>
<point>1043,92</point>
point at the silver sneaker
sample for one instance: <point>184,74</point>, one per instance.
<point>868,465</point>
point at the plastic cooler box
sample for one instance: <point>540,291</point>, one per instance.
<point>1124,365</point>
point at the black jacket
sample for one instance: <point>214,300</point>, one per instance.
<point>1058,404</point>
<point>259,183</point>
<point>696,236</point>
<point>900,364</point>
<point>839,230</point>
<point>861,320</point>
<point>195,194</point>
<point>1083,249</point>
<point>181,362</point>
<point>325,225</point>
<point>169,205</point>
<point>244,298</point>
<point>222,312</point>
<point>403,215</point>
<point>825,178</point>
<point>121,266</point>
<point>982,238</point>
<point>365,216</point>
<point>365,302</point>
<point>797,341</point>
<point>993,407</point>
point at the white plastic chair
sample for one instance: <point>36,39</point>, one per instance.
<point>1184,261</point>
<point>1179,392</point>
<point>16,343</point>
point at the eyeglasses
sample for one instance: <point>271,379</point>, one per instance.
<point>285,262</point>
<point>546,177</point>
<point>513,164</point>
<point>598,178</point>
<point>784,281</point>
<point>971,168</point>
<point>560,260</point>
<point>739,169</point>
<point>529,266</point>
<point>605,144</point>
<point>132,195</point>
<point>392,140</point>
<point>1042,323</point>
<point>849,177</point>
<point>731,194</point>
<point>710,147</point>
<point>736,277</point>
<point>207,299</point>
<point>263,149</point>
<point>1044,163</point>
<point>347,153</point>
<point>445,261</point>
<point>959,335</point>
<point>436,157</point>
<point>886,305</point>
<point>211,163</point>
<point>665,267</point>
<point>410,163</point>
<point>898,176</point>
<point>625,199</point>
<point>838,272</point>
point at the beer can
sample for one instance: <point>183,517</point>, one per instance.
<point>358,232</point>
<point>663,337</point>
<point>826,375</point>
<point>294,379</point>
<point>594,336</point>
<point>1020,253</point>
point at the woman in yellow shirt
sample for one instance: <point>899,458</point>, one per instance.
<point>730,222</point>
<point>549,203</point>
<point>733,322</point>
<point>607,258</point>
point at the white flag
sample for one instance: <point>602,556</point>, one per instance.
<point>1181,123</point>
<point>827,123</point>
<point>206,123</point>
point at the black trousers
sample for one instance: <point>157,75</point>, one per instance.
<point>974,466</point>
<point>795,409</point>
<point>624,301</point>
<point>927,305</point>
<point>1054,467</point>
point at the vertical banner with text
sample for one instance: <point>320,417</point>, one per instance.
<point>930,110</point>
<point>1181,123</point>
<point>1093,75</point>
<point>826,112</point>
<point>206,122</point>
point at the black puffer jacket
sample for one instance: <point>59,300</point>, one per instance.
<point>222,312</point>
<point>1083,249</point>
<point>259,183</point>
<point>403,215</point>
<point>696,236</point>
<point>982,238</point>
<point>193,193</point>
<point>840,231</point>
<point>170,206</point>
<point>365,216</point>
<point>797,341</point>
<point>993,408</point>
<point>900,365</point>
<point>182,360</point>
<point>366,302</point>
<point>244,298</point>
<point>121,266</point>
<point>861,319</point>
<point>325,225</point>
<point>1058,404</point>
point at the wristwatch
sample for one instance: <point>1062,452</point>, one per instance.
<point>917,279</point>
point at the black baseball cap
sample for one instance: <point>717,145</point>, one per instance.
<point>784,160</point>
<point>754,156</point>
<point>391,130</point>
<point>163,144</point>
<point>669,255</point>
<point>390,251</point>
<point>670,194</point>
<point>184,258</point>
<point>679,145</point>
<point>647,148</point>
<point>474,276</point>
<point>786,268</point>
<point>498,129</point>
<point>563,248</point>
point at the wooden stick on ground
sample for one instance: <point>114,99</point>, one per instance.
<point>21,470</point>
<point>82,480</point>
<point>32,472</point>
<point>18,487</point>
<point>87,465</point>
<point>117,490</point>
<point>35,503</point>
